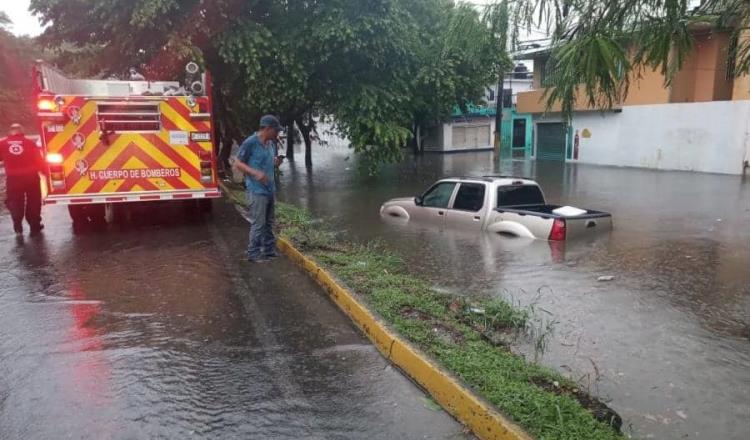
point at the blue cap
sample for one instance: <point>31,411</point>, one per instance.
<point>270,121</point>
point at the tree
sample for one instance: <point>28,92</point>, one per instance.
<point>380,68</point>
<point>599,46</point>
<point>448,54</point>
<point>4,20</point>
<point>17,54</point>
<point>333,53</point>
<point>459,54</point>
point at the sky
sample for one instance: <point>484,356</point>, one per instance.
<point>23,22</point>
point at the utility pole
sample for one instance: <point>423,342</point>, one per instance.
<point>499,110</point>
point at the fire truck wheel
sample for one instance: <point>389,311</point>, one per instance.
<point>191,210</point>
<point>96,214</point>
<point>84,214</point>
<point>117,213</point>
<point>77,214</point>
<point>205,206</point>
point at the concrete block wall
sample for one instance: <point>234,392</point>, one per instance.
<point>712,137</point>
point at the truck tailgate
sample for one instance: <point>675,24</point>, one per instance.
<point>587,224</point>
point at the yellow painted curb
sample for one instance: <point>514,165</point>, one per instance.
<point>484,421</point>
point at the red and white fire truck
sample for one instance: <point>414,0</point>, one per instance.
<point>111,142</point>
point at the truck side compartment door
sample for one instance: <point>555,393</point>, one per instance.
<point>469,207</point>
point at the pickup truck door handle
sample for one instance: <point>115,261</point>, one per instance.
<point>476,217</point>
<point>441,213</point>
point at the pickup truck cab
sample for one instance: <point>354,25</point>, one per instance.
<point>498,204</point>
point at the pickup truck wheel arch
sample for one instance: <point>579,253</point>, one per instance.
<point>512,228</point>
<point>396,211</point>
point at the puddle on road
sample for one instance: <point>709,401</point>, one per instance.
<point>666,342</point>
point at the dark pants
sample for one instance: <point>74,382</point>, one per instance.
<point>262,216</point>
<point>24,198</point>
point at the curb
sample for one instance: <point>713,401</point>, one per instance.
<point>483,420</point>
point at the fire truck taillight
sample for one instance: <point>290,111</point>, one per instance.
<point>54,158</point>
<point>57,177</point>
<point>56,174</point>
<point>207,169</point>
<point>46,105</point>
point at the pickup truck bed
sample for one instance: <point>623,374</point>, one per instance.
<point>575,226</point>
<point>546,211</point>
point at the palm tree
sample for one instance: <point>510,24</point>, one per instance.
<point>598,46</point>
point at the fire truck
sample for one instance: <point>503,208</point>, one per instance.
<point>112,142</point>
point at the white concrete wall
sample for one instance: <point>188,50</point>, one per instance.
<point>710,137</point>
<point>443,140</point>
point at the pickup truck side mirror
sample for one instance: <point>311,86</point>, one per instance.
<point>418,200</point>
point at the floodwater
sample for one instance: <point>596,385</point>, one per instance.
<point>159,330</point>
<point>666,343</point>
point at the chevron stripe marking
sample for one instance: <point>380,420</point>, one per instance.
<point>74,181</point>
<point>183,110</point>
<point>170,152</point>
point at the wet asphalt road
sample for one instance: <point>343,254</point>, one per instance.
<point>666,343</point>
<point>160,331</point>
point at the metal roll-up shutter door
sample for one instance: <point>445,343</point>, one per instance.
<point>471,136</point>
<point>550,144</point>
<point>459,137</point>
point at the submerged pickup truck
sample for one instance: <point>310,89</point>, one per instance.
<point>499,204</point>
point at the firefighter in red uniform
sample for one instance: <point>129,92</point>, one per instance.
<point>23,163</point>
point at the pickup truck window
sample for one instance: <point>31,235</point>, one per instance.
<point>519,195</point>
<point>470,197</point>
<point>439,195</point>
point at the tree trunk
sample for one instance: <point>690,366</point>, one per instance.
<point>413,141</point>
<point>419,139</point>
<point>290,141</point>
<point>226,129</point>
<point>305,130</point>
<point>308,151</point>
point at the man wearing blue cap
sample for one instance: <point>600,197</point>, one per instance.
<point>257,160</point>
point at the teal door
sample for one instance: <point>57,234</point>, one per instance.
<point>516,135</point>
<point>519,138</point>
<point>550,143</point>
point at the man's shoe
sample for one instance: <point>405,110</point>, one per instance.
<point>36,229</point>
<point>271,256</point>
<point>257,260</point>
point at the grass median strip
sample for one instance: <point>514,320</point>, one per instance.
<point>468,338</point>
